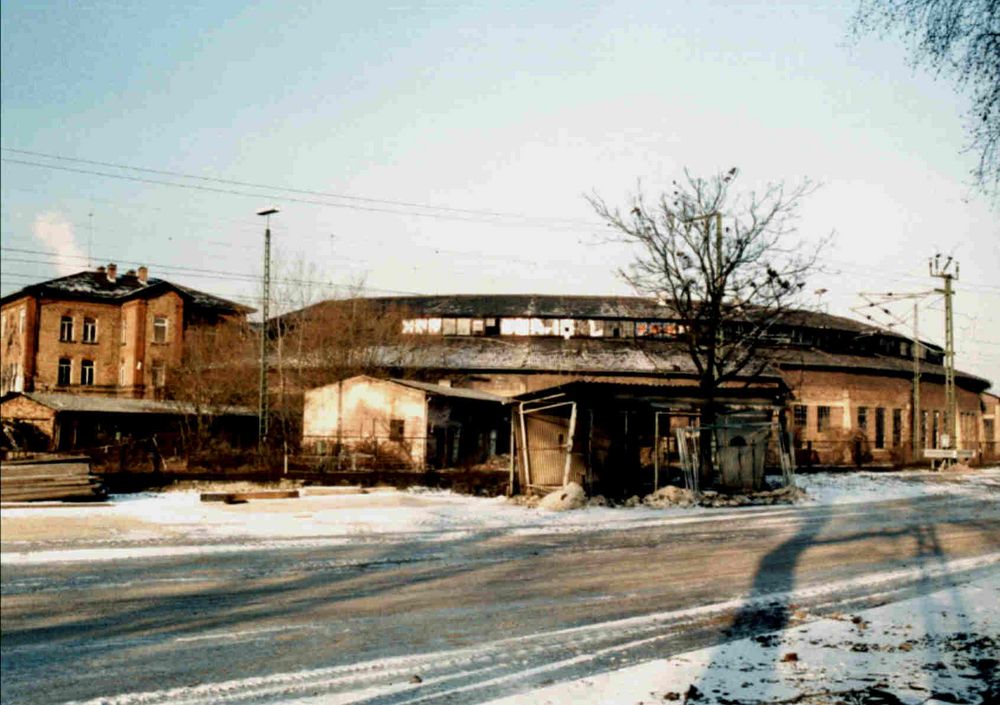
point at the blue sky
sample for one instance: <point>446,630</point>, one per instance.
<point>520,108</point>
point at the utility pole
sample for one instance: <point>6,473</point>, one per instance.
<point>951,406</point>
<point>917,426</point>
<point>879,301</point>
<point>262,406</point>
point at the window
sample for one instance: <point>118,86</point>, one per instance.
<point>988,430</point>
<point>20,321</point>
<point>923,429</point>
<point>87,372</point>
<point>934,430</point>
<point>159,329</point>
<point>121,374</point>
<point>65,371</point>
<point>158,373</point>
<point>448,326</point>
<point>880,427</point>
<point>822,418</point>
<point>396,429</point>
<point>863,419</point>
<point>66,329</point>
<point>897,428</point>
<point>124,337</point>
<point>90,330</point>
<point>800,415</point>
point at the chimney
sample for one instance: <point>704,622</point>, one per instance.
<point>112,272</point>
<point>143,275</point>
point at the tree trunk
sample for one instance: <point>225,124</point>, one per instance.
<point>708,415</point>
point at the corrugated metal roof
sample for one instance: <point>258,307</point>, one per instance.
<point>444,391</point>
<point>63,401</point>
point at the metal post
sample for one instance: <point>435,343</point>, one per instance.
<point>262,405</point>
<point>951,401</point>
<point>569,444</point>
<point>915,439</point>
<point>656,451</point>
<point>524,448</point>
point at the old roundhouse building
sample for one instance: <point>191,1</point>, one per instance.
<point>845,387</point>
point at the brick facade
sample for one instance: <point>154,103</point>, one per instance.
<point>100,334</point>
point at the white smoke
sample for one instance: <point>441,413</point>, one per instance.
<point>55,234</point>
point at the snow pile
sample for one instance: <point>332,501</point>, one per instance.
<point>571,496</point>
<point>867,486</point>
<point>940,647</point>
<point>678,497</point>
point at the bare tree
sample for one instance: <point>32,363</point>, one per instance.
<point>216,374</point>
<point>725,263</point>
<point>960,38</point>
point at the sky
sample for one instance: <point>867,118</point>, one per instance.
<point>448,147</point>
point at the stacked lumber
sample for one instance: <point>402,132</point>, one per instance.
<point>48,478</point>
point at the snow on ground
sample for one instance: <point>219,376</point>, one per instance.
<point>174,523</point>
<point>866,486</point>
<point>937,648</point>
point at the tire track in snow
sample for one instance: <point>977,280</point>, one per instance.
<point>450,676</point>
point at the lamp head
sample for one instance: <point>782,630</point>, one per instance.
<point>268,211</point>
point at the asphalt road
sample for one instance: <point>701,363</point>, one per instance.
<point>486,615</point>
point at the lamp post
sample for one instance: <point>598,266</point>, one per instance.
<point>262,410</point>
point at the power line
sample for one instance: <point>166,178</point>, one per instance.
<point>378,205</point>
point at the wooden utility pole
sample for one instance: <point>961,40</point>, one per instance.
<point>917,427</point>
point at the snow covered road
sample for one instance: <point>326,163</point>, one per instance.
<point>458,600</point>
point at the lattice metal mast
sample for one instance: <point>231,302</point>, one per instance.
<point>944,271</point>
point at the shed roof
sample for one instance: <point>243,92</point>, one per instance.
<point>64,401</point>
<point>457,392</point>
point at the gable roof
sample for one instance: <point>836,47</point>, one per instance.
<point>91,285</point>
<point>444,391</point>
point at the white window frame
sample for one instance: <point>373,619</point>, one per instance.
<point>87,380</point>
<point>63,337</point>
<point>89,330</point>
<point>165,328</point>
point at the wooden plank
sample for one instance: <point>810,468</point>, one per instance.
<point>231,497</point>
<point>45,469</point>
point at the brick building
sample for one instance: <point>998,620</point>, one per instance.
<point>100,332</point>
<point>850,384</point>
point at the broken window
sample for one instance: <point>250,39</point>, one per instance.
<point>596,329</point>
<point>822,418</point>
<point>448,326</point>
<point>87,372</point>
<point>463,326</point>
<point>863,419</point>
<point>409,326</point>
<point>65,371</point>
<point>800,414</point>
<point>515,326</point>
<point>66,329</point>
<point>478,326</point>
<point>492,326</point>
<point>397,428</point>
<point>434,326</point>
<point>90,330</point>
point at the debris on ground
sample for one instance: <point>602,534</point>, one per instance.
<point>570,496</point>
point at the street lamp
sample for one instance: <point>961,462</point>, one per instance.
<point>262,410</point>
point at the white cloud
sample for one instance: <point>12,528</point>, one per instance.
<point>55,234</point>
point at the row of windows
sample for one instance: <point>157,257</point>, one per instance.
<point>89,331</point>
<point>554,327</point>
<point>87,374</point>
<point>930,421</point>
